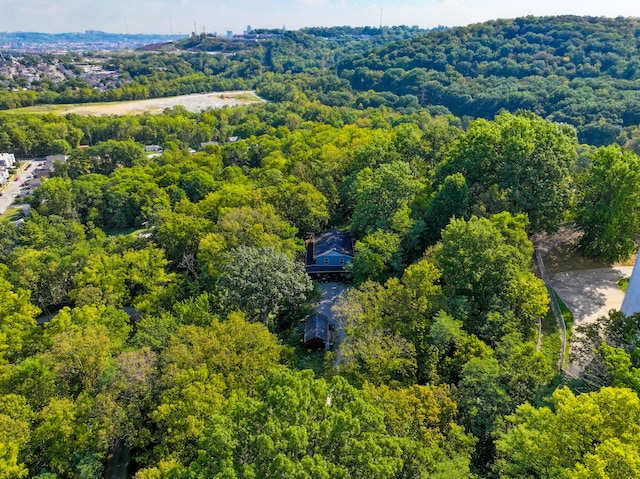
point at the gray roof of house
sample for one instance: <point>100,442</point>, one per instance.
<point>316,326</point>
<point>333,240</point>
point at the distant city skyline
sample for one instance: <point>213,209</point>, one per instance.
<point>178,16</point>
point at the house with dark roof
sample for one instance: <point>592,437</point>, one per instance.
<point>317,334</point>
<point>328,253</point>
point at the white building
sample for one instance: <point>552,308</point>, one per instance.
<point>631,302</point>
<point>7,160</point>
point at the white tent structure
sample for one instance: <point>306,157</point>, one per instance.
<point>631,302</point>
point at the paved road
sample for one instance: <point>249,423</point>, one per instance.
<point>13,189</point>
<point>330,294</point>
<point>590,294</point>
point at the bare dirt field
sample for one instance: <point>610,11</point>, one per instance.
<point>194,103</point>
<point>560,252</point>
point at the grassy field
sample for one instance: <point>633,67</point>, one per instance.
<point>56,109</point>
<point>135,231</point>
<point>567,315</point>
<point>550,338</point>
<point>12,214</point>
<point>624,283</point>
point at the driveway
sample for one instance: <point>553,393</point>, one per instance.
<point>330,295</point>
<point>590,294</point>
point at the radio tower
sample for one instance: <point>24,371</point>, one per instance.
<point>380,18</point>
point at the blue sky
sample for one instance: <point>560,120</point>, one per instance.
<point>162,16</point>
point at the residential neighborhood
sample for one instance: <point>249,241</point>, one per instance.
<point>28,72</point>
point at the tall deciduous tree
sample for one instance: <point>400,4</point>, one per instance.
<point>528,159</point>
<point>609,208</point>
<point>450,201</point>
<point>485,268</point>
<point>16,319</point>
<point>590,435</point>
<point>263,283</point>
<point>378,257</point>
<point>297,426</point>
<point>382,195</point>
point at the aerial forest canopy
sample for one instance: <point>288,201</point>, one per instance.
<point>150,303</point>
<point>577,70</point>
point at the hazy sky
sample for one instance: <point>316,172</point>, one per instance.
<point>164,16</point>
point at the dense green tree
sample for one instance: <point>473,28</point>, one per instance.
<point>131,197</point>
<point>485,269</point>
<point>15,429</point>
<point>263,283</point>
<point>387,326</point>
<point>609,206</point>
<point>16,319</point>
<point>450,201</point>
<point>382,198</point>
<point>482,399</point>
<point>301,204</point>
<point>68,441</point>
<point>527,158</point>
<point>378,257</point>
<point>258,227</point>
<point>203,366</point>
<point>132,278</point>
<point>298,426</point>
<point>179,235</point>
<point>590,435</point>
<point>54,196</point>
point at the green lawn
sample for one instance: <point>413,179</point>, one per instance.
<point>125,231</point>
<point>568,321</point>
<point>56,108</point>
<point>551,342</point>
<point>12,214</point>
<point>623,284</point>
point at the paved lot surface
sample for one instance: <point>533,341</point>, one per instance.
<point>330,295</point>
<point>12,189</point>
<point>590,294</point>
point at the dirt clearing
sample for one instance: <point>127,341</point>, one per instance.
<point>560,252</point>
<point>195,103</point>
